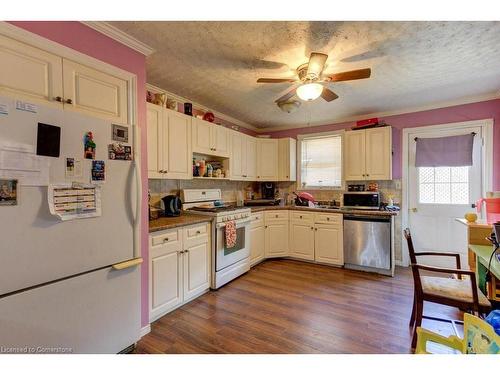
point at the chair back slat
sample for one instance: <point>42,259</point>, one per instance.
<point>413,260</point>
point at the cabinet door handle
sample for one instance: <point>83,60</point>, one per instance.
<point>198,232</point>
<point>165,239</point>
<point>316,229</point>
<point>186,251</point>
<point>327,219</point>
<point>58,99</point>
<point>300,216</point>
<point>180,252</point>
<point>69,101</point>
<point>312,228</point>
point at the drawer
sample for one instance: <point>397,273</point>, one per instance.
<point>257,219</point>
<point>301,216</point>
<point>165,237</point>
<point>165,242</point>
<point>196,231</point>
<point>277,215</point>
<point>322,218</point>
<point>195,235</point>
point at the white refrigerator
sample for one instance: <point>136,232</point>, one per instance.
<point>60,289</point>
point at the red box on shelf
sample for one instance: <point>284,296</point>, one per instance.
<point>368,122</point>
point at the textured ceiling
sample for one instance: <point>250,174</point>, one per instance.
<point>414,64</point>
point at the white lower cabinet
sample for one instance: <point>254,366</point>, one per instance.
<point>257,238</point>
<point>179,267</point>
<point>328,244</point>
<point>302,235</point>
<point>276,233</point>
<point>302,240</point>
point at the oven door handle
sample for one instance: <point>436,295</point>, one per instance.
<point>237,222</point>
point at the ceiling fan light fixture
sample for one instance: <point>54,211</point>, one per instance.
<point>309,91</point>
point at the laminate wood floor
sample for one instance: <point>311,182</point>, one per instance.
<point>286,306</point>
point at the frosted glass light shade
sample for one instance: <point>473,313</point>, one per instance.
<point>309,91</point>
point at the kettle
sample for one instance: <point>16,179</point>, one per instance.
<point>171,205</point>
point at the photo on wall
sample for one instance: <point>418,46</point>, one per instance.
<point>8,192</point>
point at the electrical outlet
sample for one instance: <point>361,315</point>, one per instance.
<point>397,184</point>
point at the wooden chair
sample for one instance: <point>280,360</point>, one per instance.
<point>457,292</point>
<point>479,338</point>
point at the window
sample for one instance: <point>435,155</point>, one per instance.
<point>443,185</point>
<point>320,161</point>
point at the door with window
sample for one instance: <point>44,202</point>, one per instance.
<point>439,195</point>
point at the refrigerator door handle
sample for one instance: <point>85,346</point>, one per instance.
<point>127,264</point>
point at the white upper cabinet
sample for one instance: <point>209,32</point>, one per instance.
<point>354,155</point>
<point>155,127</point>
<point>210,139</point>
<point>238,156</point>
<point>169,143</point>
<point>243,158</point>
<point>287,159</point>
<point>251,158</point>
<point>368,154</point>
<point>30,72</point>
<point>91,91</point>
<point>267,159</point>
<point>379,153</point>
<point>34,74</point>
<point>177,154</point>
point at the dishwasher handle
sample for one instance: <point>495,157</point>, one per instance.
<point>371,218</point>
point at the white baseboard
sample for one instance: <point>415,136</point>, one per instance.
<point>400,263</point>
<point>145,330</point>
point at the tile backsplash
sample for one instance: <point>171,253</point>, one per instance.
<point>388,189</point>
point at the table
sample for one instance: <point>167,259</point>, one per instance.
<point>479,252</point>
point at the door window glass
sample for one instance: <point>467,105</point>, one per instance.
<point>443,185</point>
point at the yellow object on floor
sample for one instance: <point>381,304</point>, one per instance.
<point>479,338</point>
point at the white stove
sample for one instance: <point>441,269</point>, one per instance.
<point>227,263</point>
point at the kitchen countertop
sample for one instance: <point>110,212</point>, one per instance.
<point>329,210</point>
<point>163,223</point>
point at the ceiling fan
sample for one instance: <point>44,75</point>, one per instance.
<point>313,82</point>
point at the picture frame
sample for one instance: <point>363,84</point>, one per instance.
<point>8,192</point>
<point>119,133</point>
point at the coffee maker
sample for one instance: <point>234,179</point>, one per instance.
<point>268,190</point>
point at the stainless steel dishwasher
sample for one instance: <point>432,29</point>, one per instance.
<point>368,243</point>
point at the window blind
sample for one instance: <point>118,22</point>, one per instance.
<point>321,161</point>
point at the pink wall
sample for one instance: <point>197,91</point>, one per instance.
<point>88,41</point>
<point>475,111</point>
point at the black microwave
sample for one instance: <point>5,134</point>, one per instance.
<point>362,200</point>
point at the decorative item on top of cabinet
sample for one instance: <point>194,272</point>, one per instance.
<point>169,143</point>
<point>368,154</point>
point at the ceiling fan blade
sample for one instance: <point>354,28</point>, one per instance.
<point>328,95</point>
<point>350,76</point>
<point>287,96</point>
<point>316,64</point>
<point>275,80</point>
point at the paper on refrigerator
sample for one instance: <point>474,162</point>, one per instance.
<point>19,161</point>
<point>70,201</point>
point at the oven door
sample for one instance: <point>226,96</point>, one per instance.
<point>241,250</point>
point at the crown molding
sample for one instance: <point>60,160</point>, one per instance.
<point>120,36</point>
<point>439,105</point>
<point>222,116</point>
